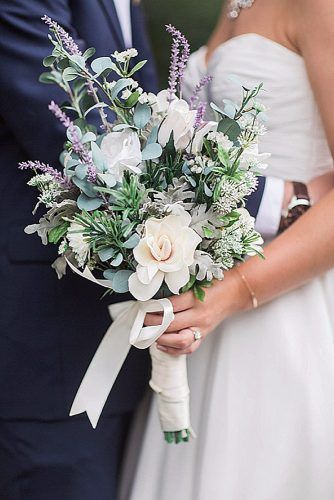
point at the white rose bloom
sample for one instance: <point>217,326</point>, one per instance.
<point>176,117</point>
<point>252,158</point>
<point>164,253</point>
<point>78,243</point>
<point>123,152</point>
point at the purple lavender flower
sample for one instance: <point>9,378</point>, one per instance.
<point>79,148</point>
<point>46,169</point>
<point>91,174</point>
<point>201,110</point>
<point>179,58</point>
<point>68,42</point>
<point>205,80</point>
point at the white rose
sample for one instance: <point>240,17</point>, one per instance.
<point>177,117</point>
<point>164,253</point>
<point>123,152</point>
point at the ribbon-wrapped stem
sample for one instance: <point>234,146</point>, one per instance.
<point>170,382</point>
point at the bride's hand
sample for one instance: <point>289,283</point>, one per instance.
<point>222,299</point>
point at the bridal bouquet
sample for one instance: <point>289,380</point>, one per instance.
<point>151,203</point>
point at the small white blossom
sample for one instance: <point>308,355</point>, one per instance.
<point>125,56</point>
<point>221,139</point>
<point>259,106</point>
<point>78,243</point>
<point>126,94</point>
<point>148,98</point>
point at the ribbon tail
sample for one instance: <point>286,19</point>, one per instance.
<point>103,370</point>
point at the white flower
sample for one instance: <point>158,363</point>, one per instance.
<point>221,139</point>
<point>124,56</point>
<point>164,253</point>
<point>123,152</point>
<point>251,158</point>
<point>78,243</point>
<point>205,129</point>
<point>126,94</point>
<point>148,98</point>
<point>176,117</point>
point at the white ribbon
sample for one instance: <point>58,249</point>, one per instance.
<point>169,373</point>
<point>126,330</point>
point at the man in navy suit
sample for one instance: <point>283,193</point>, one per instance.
<point>50,329</point>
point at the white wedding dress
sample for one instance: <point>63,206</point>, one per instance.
<point>262,385</point>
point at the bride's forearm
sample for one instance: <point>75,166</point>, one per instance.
<point>304,251</point>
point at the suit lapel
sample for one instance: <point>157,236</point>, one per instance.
<point>111,14</point>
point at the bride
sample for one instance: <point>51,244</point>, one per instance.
<point>262,379</point>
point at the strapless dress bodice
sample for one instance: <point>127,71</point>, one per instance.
<point>296,137</point>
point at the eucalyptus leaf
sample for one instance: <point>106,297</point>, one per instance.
<point>78,131</point>
<point>86,187</point>
<point>132,242</point>
<point>108,179</point>
<point>151,151</point>
<point>98,105</point>
<point>142,115</point>
<point>120,282</point>
<point>121,126</point>
<point>109,274</point>
<point>207,191</point>
<point>229,127</point>
<point>78,61</point>
<point>88,137</point>
<point>50,78</point>
<point>121,84</point>
<point>86,203</point>
<point>101,64</point>
<point>88,53</point>
<point>81,171</point>
<point>98,157</point>
<point>106,254</point>
<point>117,260</point>
<point>153,137</point>
<point>216,108</point>
<point>69,74</point>
<point>48,61</point>
<point>137,67</point>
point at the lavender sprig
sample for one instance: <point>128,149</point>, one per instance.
<point>69,44</point>
<point>79,148</point>
<point>201,110</point>
<point>205,80</point>
<point>179,59</point>
<point>46,169</point>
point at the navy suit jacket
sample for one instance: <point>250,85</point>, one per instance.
<point>50,329</point>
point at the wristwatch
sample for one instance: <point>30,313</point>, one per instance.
<point>298,205</point>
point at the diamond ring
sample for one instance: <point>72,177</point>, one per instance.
<point>197,335</point>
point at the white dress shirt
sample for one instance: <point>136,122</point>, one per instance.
<point>123,8</point>
<point>269,215</point>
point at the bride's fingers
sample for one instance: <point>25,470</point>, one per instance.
<point>181,321</point>
<point>179,340</point>
<point>178,352</point>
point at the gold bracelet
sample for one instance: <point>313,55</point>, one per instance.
<point>255,302</point>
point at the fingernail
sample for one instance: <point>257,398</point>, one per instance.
<point>162,348</point>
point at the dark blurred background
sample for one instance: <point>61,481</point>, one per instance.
<point>195,18</point>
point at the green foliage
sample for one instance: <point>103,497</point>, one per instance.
<point>57,233</point>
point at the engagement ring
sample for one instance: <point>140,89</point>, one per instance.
<point>197,335</point>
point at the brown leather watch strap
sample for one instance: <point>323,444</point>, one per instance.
<point>298,205</point>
